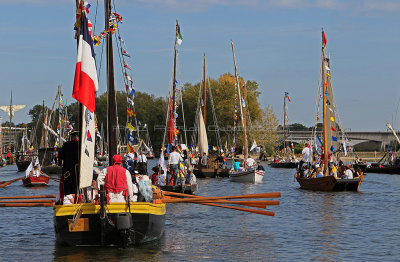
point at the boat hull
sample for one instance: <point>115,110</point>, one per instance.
<point>22,165</point>
<point>52,170</point>
<point>284,165</point>
<point>205,172</point>
<point>251,176</point>
<point>186,189</point>
<point>35,181</point>
<point>329,183</point>
<point>148,224</point>
<point>383,170</point>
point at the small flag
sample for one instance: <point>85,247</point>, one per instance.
<point>334,138</point>
<point>130,101</point>
<point>130,112</point>
<point>130,127</point>
<point>324,38</point>
<point>333,129</point>
<point>89,136</point>
<point>125,53</point>
<point>178,35</point>
<point>127,66</point>
<point>332,119</point>
<point>328,75</point>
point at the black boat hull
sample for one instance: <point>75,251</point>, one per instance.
<point>148,224</point>
<point>329,183</point>
<point>186,189</point>
<point>22,165</point>
<point>394,170</point>
<point>284,165</point>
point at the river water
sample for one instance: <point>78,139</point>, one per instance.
<point>307,226</point>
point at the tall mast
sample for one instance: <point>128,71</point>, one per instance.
<point>240,96</point>
<point>11,115</point>
<point>43,129</point>
<point>204,89</point>
<point>324,107</point>
<point>284,114</point>
<point>244,123</point>
<point>112,114</point>
<point>174,78</point>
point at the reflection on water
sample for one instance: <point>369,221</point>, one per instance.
<point>314,226</point>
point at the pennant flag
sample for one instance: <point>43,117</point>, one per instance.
<point>333,129</point>
<point>324,38</point>
<point>130,112</point>
<point>85,83</point>
<point>317,142</point>
<point>127,66</point>
<point>326,93</point>
<point>125,53</point>
<point>330,109</point>
<point>327,68</point>
<point>130,149</point>
<point>253,146</point>
<point>89,136</point>
<point>178,35</point>
<point>328,75</point>
<point>130,101</point>
<point>130,127</point>
<point>334,138</point>
<point>288,98</point>
<point>128,77</point>
<point>326,84</point>
<point>332,119</point>
<point>243,103</point>
<point>131,138</point>
<point>131,91</point>
<point>122,40</point>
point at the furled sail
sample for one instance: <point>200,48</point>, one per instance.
<point>202,134</point>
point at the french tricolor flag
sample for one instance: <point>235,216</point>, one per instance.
<point>85,83</point>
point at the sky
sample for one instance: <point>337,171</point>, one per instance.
<point>277,44</point>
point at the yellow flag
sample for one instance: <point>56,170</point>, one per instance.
<point>332,119</point>
<point>130,127</point>
<point>328,75</point>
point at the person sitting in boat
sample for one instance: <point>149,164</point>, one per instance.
<point>161,178</point>
<point>250,162</point>
<point>304,172</point>
<point>142,187</point>
<point>236,165</point>
<point>333,170</point>
<point>241,168</point>
<point>142,163</point>
<point>348,174</point>
<point>117,182</point>
<point>259,166</point>
<point>93,192</point>
<point>154,176</point>
<point>36,170</point>
<point>318,171</point>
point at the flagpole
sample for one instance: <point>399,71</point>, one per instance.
<point>174,80</point>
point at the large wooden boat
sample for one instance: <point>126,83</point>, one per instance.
<point>383,169</point>
<point>186,189</point>
<point>30,181</point>
<point>90,224</point>
<point>22,164</point>
<point>328,182</point>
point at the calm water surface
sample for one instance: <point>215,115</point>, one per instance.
<point>308,226</point>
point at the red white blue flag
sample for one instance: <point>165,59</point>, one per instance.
<point>85,83</point>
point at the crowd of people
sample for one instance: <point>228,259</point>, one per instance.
<point>312,165</point>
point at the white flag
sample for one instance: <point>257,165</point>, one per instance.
<point>253,146</point>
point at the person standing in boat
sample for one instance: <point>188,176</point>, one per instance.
<point>68,158</point>
<point>204,160</point>
<point>306,156</point>
<point>250,162</point>
<point>117,182</point>
<point>173,165</point>
<point>142,163</point>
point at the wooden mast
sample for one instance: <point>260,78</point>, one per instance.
<point>204,90</point>
<point>239,97</point>
<point>324,108</point>
<point>112,114</point>
<point>244,123</point>
<point>174,80</point>
<point>44,129</point>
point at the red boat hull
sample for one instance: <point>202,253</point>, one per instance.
<point>36,181</point>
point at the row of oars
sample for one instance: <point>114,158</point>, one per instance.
<point>171,197</point>
<point>28,201</point>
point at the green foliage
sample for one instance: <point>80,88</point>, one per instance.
<point>269,150</point>
<point>298,148</point>
<point>297,127</point>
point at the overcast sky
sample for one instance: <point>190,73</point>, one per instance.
<point>277,44</point>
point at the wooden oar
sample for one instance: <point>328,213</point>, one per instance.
<point>29,201</point>
<point>11,181</point>
<point>260,212</point>
<point>210,199</point>
<point>252,203</point>
<point>28,197</point>
<point>28,205</point>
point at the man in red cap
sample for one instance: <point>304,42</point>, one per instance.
<point>117,182</point>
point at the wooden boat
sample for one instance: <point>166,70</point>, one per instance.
<point>328,182</point>
<point>383,169</point>
<point>251,176</point>
<point>90,224</point>
<point>186,189</point>
<point>22,165</point>
<point>284,165</point>
<point>42,180</point>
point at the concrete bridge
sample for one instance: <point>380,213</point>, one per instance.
<point>379,141</point>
